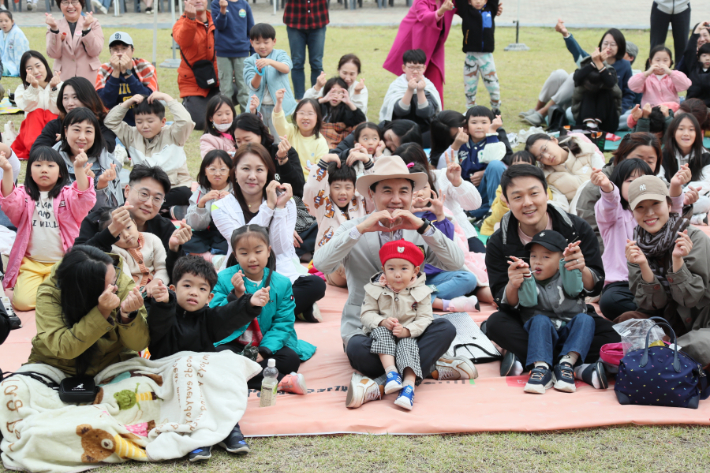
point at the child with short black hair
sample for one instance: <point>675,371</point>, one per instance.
<point>412,96</point>
<point>144,256</point>
<point>181,320</point>
<point>699,75</point>
<point>152,143</point>
<point>478,25</point>
<point>552,307</point>
<point>266,71</point>
<point>396,311</point>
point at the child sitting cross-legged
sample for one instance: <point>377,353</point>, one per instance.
<point>181,320</point>
<point>551,301</point>
<point>396,311</point>
<point>144,256</point>
<point>152,143</point>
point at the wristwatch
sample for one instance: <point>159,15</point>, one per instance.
<point>424,226</point>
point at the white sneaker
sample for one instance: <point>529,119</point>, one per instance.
<point>99,6</point>
<point>30,6</point>
<point>457,367</point>
<point>361,390</point>
<point>699,219</point>
<point>464,304</point>
<point>121,155</point>
<point>316,313</point>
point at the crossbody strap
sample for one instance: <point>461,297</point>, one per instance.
<point>214,52</point>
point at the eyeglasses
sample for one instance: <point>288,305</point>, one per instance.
<point>218,170</point>
<point>144,196</point>
<point>306,114</point>
<point>607,44</point>
<point>415,68</point>
<point>65,3</point>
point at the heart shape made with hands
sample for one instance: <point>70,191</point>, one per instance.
<point>391,223</point>
<point>280,190</point>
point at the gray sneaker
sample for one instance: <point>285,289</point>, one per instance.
<point>525,114</point>
<point>534,119</point>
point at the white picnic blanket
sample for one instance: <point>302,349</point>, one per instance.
<point>145,410</point>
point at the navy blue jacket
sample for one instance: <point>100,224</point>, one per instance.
<point>119,90</point>
<point>468,154</point>
<point>231,35</point>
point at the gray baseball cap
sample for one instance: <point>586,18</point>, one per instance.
<point>120,37</point>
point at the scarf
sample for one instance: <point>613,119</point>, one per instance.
<point>146,276</point>
<point>658,247</point>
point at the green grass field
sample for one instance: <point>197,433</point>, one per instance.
<point>623,449</point>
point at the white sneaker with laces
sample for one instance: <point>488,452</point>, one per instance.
<point>361,390</point>
<point>699,219</point>
<point>464,304</point>
<point>457,367</point>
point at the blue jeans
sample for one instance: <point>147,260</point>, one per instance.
<point>450,284</point>
<point>488,186</point>
<point>298,40</point>
<point>544,339</point>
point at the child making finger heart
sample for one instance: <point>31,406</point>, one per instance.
<point>47,211</point>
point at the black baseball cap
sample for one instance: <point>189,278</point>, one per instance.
<point>550,239</point>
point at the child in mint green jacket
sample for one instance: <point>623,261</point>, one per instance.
<point>273,330</point>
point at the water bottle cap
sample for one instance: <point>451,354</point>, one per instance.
<point>271,363</point>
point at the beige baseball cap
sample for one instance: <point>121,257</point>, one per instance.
<point>647,188</point>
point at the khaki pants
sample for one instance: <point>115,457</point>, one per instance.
<point>232,69</point>
<point>337,277</point>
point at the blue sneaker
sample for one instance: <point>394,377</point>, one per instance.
<point>406,398</point>
<point>564,375</point>
<point>199,454</point>
<point>394,382</point>
<point>235,443</point>
<point>541,379</point>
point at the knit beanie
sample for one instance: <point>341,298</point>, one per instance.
<point>401,249</point>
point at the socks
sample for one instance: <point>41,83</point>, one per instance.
<point>540,363</point>
<point>445,304</point>
<point>570,358</point>
<point>517,369</point>
<point>389,369</point>
<point>595,377</point>
<point>408,383</point>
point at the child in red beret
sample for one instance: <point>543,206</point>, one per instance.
<point>397,310</point>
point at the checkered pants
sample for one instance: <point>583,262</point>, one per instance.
<point>404,350</point>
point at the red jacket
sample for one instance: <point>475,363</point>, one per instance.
<point>192,36</point>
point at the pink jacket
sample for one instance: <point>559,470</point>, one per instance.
<point>70,208</point>
<point>421,29</point>
<point>616,225</point>
<point>208,142</point>
<point>78,55</point>
<point>657,91</point>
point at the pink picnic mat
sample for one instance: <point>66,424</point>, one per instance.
<point>489,403</point>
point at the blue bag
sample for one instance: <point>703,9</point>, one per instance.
<point>660,376</point>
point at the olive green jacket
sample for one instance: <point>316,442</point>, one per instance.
<point>57,345</point>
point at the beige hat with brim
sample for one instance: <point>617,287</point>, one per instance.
<point>647,188</point>
<point>390,167</point>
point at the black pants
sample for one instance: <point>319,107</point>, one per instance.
<point>616,299</point>
<point>287,361</point>
<point>681,28</point>
<point>197,107</point>
<point>433,343</point>
<point>508,332</point>
<point>309,240</point>
<point>176,196</point>
<point>476,246</point>
<point>209,240</point>
<point>307,290</point>
<point>599,105</point>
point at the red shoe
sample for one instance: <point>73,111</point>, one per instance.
<point>293,383</point>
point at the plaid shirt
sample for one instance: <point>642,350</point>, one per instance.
<point>306,14</point>
<point>144,71</point>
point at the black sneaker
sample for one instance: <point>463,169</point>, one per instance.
<point>541,379</point>
<point>235,443</point>
<point>508,363</point>
<point>564,375</point>
<point>598,368</point>
<point>15,321</point>
<point>200,454</point>
<point>496,111</point>
<point>178,212</point>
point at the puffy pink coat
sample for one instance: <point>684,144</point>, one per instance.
<point>421,29</point>
<point>71,206</point>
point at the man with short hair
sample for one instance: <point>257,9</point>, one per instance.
<point>194,33</point>
<point>356,246</point>
<point>524,189</point>
<point>145,193</point>
<point>124,76</point>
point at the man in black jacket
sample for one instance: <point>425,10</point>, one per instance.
<point>145,194</point>
<point>525,190</point>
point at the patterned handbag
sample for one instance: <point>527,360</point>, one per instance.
<point>661,376</point>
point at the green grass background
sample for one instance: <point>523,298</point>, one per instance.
<point>623,449</point>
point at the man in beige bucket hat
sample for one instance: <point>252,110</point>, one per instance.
<point>356,245</point>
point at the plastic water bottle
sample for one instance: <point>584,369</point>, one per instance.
<point>269,385</point>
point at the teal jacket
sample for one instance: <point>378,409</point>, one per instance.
<point>277,317</point>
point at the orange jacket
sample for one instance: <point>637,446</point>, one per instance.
<point>192,36</point>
